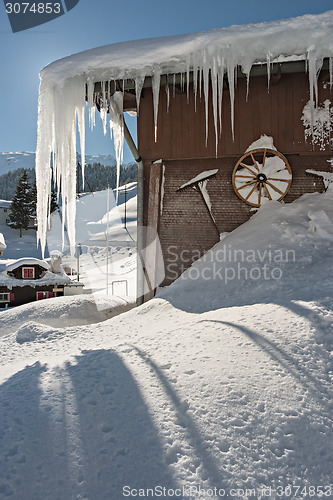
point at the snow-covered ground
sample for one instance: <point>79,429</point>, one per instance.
<point>220,387</point>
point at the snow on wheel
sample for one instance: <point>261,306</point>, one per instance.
<point>261,174</point>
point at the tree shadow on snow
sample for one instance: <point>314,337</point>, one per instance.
<point>119,443</point>
<point>78,431</point>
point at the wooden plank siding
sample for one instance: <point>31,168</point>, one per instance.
<point>276,111</point>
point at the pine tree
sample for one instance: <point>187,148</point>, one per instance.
<point>22,206</point>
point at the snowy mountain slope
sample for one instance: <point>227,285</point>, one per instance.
<point>12,161</point>
<point>205,386</point>
<point>26,159</point>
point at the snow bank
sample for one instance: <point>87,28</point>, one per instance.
<point>208,55</point>
<point>61,312</point>
<point>263,258</point>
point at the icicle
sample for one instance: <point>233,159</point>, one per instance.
<point>43,159</point>
<point>174,85</point>
<point>116,106</point>
<point>206,89</point>
<point>195,79</point>
<point>188,61</point>
<point>91,104</point>
<point>80,113</point>
<point>167,90</point>
<point>220,87</point>
<point>139,81</point>
<point>156,80</point>
<point>200,74</point>
<point>331,71</point>
<point>314,68</point>
<point>268,59</point>
<point>215,100</point>
<point>103,108</point>
<point>231,68</point>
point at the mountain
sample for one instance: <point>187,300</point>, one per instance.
<point>26,159</point>
<point>13,161</point>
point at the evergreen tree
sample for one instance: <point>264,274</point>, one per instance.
<point>22,205</point>
<point>54,201</point>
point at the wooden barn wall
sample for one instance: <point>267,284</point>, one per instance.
<point>185,228</point>
<point>276,112</point>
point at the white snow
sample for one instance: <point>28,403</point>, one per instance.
<point>264,142</point>
<point>200,177</point>
<point>3,245</point>
<point>223,381</point>
<point>27,261</point>
<point>212,53</point>
<point>326,176</point>
<point>318,124</point>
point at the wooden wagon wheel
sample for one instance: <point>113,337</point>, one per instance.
<point>261,174</point>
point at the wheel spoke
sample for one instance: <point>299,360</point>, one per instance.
<point>254,162</point>
<point>259,196</point>
<point>278,180</point>
<point>247,184</point>
<point>264,159</point>
<point>248,168</point>
<point>248,196</point>
<point>275,188</point>
<point>246,176</point>
<point>268,193</point>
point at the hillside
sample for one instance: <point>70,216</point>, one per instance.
<point>26,159</point>
<point>96,177</point>
<point>218,388</point>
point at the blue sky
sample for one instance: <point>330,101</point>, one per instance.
<point>99,22</point>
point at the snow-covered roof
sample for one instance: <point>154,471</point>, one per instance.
<point>208,55</point>
<point>48,278</point>
<point>248,44</point>
<point>27,261</point>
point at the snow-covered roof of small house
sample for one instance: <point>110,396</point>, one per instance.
<point>48,278</point>
<point>3,245</point>
<point>27,261</point>
<point>208,56</point>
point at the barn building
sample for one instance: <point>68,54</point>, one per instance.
<point>227,120</point>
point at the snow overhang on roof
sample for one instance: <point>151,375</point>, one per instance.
<point>200,57</point>
<point>29,261</point>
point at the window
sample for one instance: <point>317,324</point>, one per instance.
<point>5,297</point>
<point>44,295</point>
<point>28,272</point>
<point>5,210</point>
